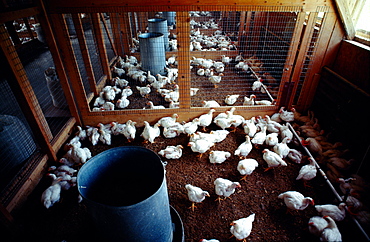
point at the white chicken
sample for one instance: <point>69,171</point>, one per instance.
<point>307,172</point>
<point>195,195</point>
<point>246,167</point>
<point>118,71</point>
<point>331,232</point>
<point>257,85</point>
<point>249,101</point>
<point>78,155</point>
<point>150,77</point>
<point>272,126</point>
<point>338,213</point>
<point>316,225</point>
<point>244,148</point>
<point>200,146</point>
<point>285,132</point>
<point>130,130</point>
<point>109,93</point>
<point>250,127</point>
<point>168,121</point>
<point>171,152</point>
<point>200,72</point>
<point>218,156</point>
<point>173,131</point>
<point>144,91</point>
<point>117,128</point>
<point>295,156</point>
<point>260,137</point>
<point>193,91</point>
<point>242,228</point>
<point>122,102</point>
<point>286,115</point>
<point>210,104</point>
<point>225,188</point>
<point>81,133</point>
<point>191,127</point>
<point>231,99</point>
<point>272,139</point>
<point>219,135</point>
<point>272,159</point>
<point>152,106</point>
<point>206,119</point>
<point>94,136</point>
<point>209,240</point>
<point>295,200</point>
<point>51,195</point>
<point>224,123</point>
<point>150,132</point>
<point>105,135</point>
<point>118,82</point>
<point>215,80</point>
<point>282,148</point>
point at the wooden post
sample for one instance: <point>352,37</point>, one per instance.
<point>183,41</point>
<point>117,42</point>
<point>99,38</point>
<point>289,63</point>
<point>70,63</point>
<point>108,33</point>
<point>84,52</point>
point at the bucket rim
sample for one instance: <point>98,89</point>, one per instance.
<point>150,35</point>
<point>79,187</point>
<point>156,20</point>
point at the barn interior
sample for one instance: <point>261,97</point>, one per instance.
<point>59,58</point>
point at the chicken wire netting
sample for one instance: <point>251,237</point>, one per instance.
<point>144,75</point>
<point>17,143</point>
<point>238,57</point>
<point>40,70</point>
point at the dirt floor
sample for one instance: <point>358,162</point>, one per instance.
<point>70,221</point>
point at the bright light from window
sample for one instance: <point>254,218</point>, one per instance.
<point>363,23</point>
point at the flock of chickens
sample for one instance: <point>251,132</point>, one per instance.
<point>271,135</point>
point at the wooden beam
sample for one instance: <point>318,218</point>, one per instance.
<point>346,17</point>
<point>115,22</point>
<point>69,61</point>
<point>290,61</point>
<point>177,5</point>
<point>84,52</point>
<point>99,38</point>
<point>183,57</point>
<point>108,33</point>
<point>17,14</point>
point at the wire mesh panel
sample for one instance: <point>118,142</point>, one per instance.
<point>39,67</point>
<point>16,139</point>
<point>144,75</point>
<point>238,57</point>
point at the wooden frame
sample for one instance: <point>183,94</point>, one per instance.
<point>291,72</point>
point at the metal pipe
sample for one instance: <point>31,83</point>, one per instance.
<point>327,180</point>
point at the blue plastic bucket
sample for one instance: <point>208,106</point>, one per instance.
<point>152,53</point>
<point>125,192</point>
<point>159,25</point>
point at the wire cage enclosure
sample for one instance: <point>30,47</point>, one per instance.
<point>223,58</point>
<point>34,110</point>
